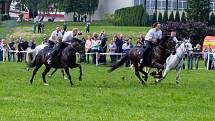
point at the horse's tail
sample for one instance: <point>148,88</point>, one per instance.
<point>32,63</point>
<point>119,63</point>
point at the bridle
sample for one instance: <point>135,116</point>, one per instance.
<point>167,50</point>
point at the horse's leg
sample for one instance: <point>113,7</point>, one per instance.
<point>178,71</point>
<point>62,71</point>
<point>68,75</point>
<point>166,71</point>
<point>80,70</point>
<point>53,72</point>
<point>44,74</point>
<point>34,73</point>
<point>138,74</point>
<point>145,75</point>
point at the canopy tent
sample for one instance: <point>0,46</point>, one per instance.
<point>209,42</point>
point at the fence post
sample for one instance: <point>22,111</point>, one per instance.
<point>97,59</point>
<point>208,60</point>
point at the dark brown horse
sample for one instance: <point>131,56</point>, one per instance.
<point>66,59</point>
<point>154,58</point>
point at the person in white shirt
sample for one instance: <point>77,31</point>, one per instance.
<point>55,37</point>
<point>67,37</point>
<point>151,38</point>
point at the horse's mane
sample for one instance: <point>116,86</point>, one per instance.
<point>165,38</point>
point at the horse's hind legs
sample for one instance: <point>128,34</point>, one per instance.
<point>138,75</point>
<point>145,75</point>
<point>34,73</point>
<point>69,76</point>
<point>44,74</point>
<point>50,75</point>
<point>80,72</point>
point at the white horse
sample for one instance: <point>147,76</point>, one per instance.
<point>176,61</point>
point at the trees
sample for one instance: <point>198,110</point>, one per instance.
<point>177,17</point>
<point>154,17</point>
<point>183,18</point>
<point>131,16</point>
<point>212,19</point>
<point>171,17</point>
<point>160,18</point>
<point>198,10</point>
<point>165,16</point>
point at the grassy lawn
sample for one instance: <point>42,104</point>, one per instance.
<point>25,30</point>
<point>102,96</point>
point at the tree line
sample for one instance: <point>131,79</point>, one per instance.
<point>80,7</point>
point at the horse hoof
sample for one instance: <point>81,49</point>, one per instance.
<point>46,84</point>
<point>50,76</point>
<point>123,78</point>
<point>80,79</point>
<point>27,69</point>
<point>65,78</point>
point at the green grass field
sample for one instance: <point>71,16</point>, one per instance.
<point>103,96</point>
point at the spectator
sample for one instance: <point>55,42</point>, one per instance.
<point>39,27</point>
<point>112,47</point>
<point>88,47</point>
<point>45,39</point>
<point>142,38</point>
<point>103,48</point>
<point>95,47</point>
<point>88,27</point>
<point>64,27</point>
<point>12,47</point>
<point>20,48</point>
<point>34,27</point>
<point>1,50</point>
<point>82,55</point>
<point>139,43</point>
<point>119,43</point>
<point>210,58</point>
<point>190,61</point>
<point>43,27</point>
<point>4,49</point>
<point>126,47</point>
<point>32,44</point>
<point>198,50</point>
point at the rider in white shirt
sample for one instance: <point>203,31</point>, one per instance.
<point>67,37</point>
<point>151,38</point>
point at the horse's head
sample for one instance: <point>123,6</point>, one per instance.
<point>187,46</point>
<point>168,43</point>
<point>76,47</point>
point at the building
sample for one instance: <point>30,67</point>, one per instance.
<point>109,6</point>
<point>170,5</point>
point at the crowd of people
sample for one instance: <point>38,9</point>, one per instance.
<point>14,50</point>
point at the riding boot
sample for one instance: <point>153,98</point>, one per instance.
<point>53,54</point>
<point>143,51</point>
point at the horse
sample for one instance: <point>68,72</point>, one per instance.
<point>176,61</point>
<point>66,59</point>
<point>155,59</point>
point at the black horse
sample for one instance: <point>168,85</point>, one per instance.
<point>66,59</point>
<point>154,58</point>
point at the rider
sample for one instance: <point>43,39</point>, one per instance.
<point>56,36</point>
<point>151,38</point>
<point>68,37</point>
<point>173,34</point>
